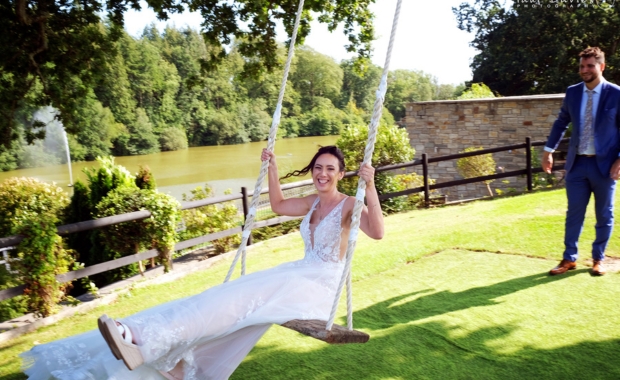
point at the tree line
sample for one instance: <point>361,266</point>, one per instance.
<point>532,47</point>
<point>154,95</point>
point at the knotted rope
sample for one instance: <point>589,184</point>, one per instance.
<point>361,185</point>
<point>249,220</point>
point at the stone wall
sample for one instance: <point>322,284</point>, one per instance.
<point>439,128</point>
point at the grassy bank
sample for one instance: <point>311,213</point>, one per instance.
<point>437,299</point>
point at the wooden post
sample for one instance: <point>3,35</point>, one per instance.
<point>427,196</point>
<point>244,203</point>
<point>528,155</point>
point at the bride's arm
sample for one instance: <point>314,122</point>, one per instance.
<point>372,216</point>
<point>279,205</point>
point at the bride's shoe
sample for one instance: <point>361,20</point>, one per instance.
<point>121,346</point>
<point>104,333</point>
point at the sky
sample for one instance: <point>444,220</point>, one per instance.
<point>427,38</point>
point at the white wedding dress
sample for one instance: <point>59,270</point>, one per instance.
<point>213,331</point>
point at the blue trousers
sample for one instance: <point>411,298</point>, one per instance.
<point>584,179</point>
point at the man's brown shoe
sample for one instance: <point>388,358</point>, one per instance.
<point>598,269</point>
<point>563,267</point>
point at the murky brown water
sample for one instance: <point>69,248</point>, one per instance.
<point>222,167</point>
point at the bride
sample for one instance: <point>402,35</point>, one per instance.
<point>206,336</point>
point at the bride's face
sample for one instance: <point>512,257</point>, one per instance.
<point>326,172</point>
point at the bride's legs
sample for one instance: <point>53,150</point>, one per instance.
<point>165,333</point>
<point>174,374</point>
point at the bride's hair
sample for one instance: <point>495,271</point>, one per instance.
<point>330,149</point>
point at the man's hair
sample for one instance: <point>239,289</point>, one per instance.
<point>593,52</point>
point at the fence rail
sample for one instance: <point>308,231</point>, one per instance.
<point>243,196</point>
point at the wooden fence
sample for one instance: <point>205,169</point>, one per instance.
<point>243,196</point>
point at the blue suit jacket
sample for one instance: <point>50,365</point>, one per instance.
<point>606,125</point>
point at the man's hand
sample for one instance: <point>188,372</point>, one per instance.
<point>547,162</point>
<point>614,173</point>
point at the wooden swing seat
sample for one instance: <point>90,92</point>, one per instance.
<point>315,328</point>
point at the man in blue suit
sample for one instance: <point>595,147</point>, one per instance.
<point>592,163</point>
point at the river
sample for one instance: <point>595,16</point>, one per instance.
<point>222,167</point>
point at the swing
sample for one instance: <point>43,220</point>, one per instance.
<point>326,331</point>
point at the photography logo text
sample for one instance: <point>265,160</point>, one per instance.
<point>552,4</point>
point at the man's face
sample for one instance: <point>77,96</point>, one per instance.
<point>590,70</point>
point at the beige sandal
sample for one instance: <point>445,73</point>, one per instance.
<point>121,346</point>
<point>104,333</point>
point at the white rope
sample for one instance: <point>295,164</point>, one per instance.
<point>249,221</point>
<point>361,185</point>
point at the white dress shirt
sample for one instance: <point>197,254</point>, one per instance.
<point>596,96</point>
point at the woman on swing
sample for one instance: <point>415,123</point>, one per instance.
<point>206,336</point>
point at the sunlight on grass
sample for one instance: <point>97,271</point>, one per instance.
<point>437,299</point>
<point>468,315</point>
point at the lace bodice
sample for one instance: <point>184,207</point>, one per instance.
<point>324,244</point>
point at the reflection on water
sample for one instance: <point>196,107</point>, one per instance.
<point>222,167</point>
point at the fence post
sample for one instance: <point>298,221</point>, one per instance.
<point>528,155</point>
<point>244,203</point>
<point>427,197</point>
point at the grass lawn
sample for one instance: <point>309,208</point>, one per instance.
<point>458,292</point>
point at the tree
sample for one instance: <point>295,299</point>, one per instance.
<point>100,130</point>
<point>11,156</point>
<point>55,51</point>
<point>477,91</point>
<point>477,166</point>
<point>533,47</point>
<point>173,139</point>
<point>315,76</point>
<point>322,120</point>
<point>266,86</point>
<point>407,86</point>
<point>255,120</point>
<point>448,91</point>
<point>359,87</point>
<point>139,138</point>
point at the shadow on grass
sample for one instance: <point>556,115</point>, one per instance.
<point>391,312</point>
<point>404,347</point>
<point>430,351</point>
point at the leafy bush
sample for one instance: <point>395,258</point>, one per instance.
<point>541,180</point>
<point>254,119</point>
<point>13,307</point>
<point>477,91</point>
<point>9,157</point>
<point>289,127</point>
<point>90,245</point>
<point>33,209</point>
<point>411,181</point>
<point>477,166</point>
<point>145,179</point>
<point>173,139</point>
<point>324,119</point>
<point>106,178</point>
<point>270,232</point>
<point>209,219</point>
<point>157,231</point>
<point>391,147</point>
